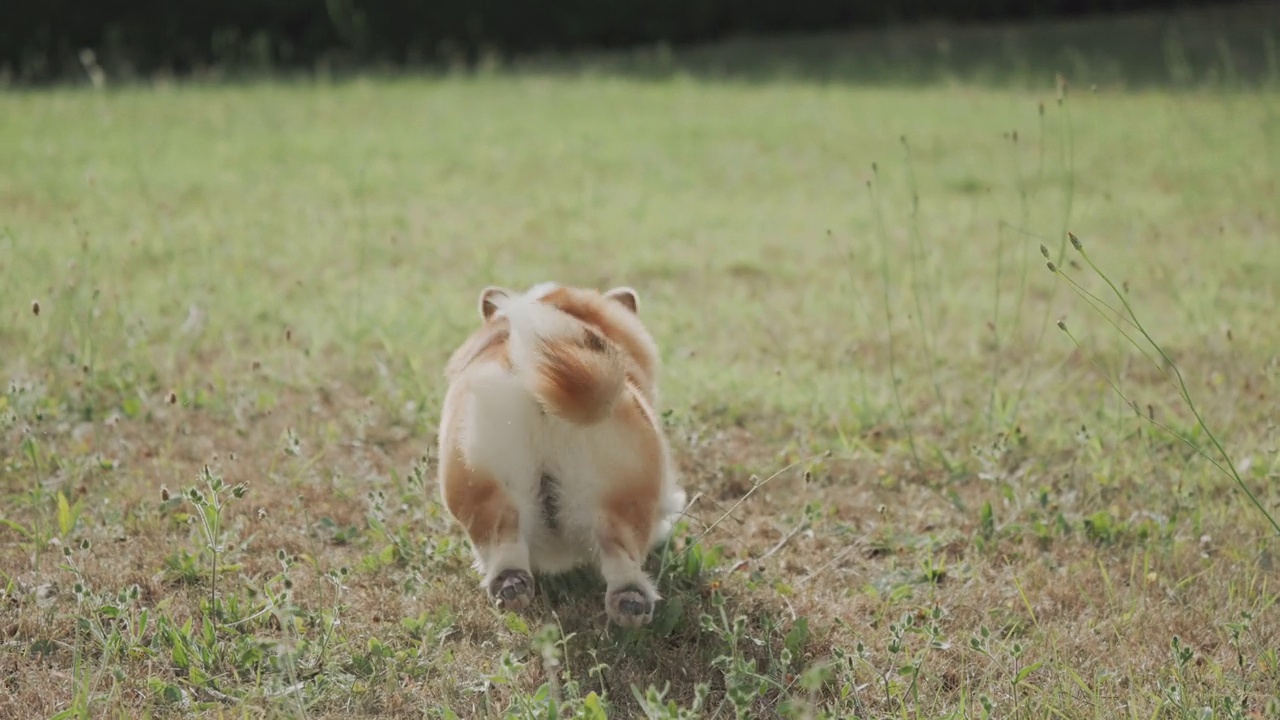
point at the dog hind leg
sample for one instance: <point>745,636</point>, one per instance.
<point>624,527</point>
<point>492,523</point>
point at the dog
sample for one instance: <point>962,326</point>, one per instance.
<point>552,454</point>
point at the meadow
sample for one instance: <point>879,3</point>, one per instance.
<point>973,388</point>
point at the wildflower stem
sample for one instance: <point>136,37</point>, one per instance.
<point>1226,465</point>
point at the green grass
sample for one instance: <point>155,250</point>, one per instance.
<point>916,495</point>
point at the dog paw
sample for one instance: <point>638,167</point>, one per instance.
<point>512,589</point>
<point>629,606</point>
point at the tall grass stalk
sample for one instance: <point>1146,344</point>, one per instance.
<point>917,255</point>
<point>1067,152</point>
<point>1226,465</point>
<point>874,185</point>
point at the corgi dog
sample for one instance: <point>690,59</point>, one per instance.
<point>551,451</point>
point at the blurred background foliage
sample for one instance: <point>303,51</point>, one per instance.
<point>53,40</point>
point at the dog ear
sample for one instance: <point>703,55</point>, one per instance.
<point>627,297</point>
<point>489,298</point>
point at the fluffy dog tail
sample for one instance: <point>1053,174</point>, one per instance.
<point>574,371</point>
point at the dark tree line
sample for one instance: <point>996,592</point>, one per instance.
<point>43,39</point>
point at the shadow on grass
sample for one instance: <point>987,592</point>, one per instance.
<point>708,643</point>
<point>1231,46</point>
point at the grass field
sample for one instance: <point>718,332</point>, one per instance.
<point>224,313</point>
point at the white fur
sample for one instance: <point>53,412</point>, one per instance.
<point>505,433</point>
<point>533,321</point>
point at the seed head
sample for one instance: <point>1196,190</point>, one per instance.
<point>35,308</point>
<point>875,168</point>
<point>1075,242</point>
<point>164,493</point>
<point>288,334</point>
<point>1041,108</point>
<point>1062,326</point>
<point>1053,268</point>
<point>173,398</point>
<point>1044,251</point>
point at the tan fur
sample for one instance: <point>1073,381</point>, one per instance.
<point>619,322</point>
<point>482,506</point>
<point>580,379</point>
<point>558,385</point>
